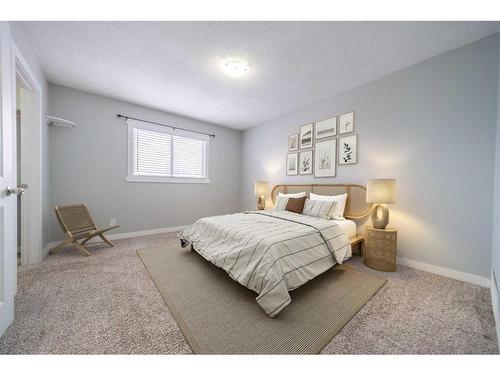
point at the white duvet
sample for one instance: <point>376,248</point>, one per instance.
<point>268,252</point>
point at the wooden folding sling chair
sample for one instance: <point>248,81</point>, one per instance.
<point>77,225</point>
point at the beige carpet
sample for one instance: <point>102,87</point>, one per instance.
<point>108,304</point>
<point>219,316</point>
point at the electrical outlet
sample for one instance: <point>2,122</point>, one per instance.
<point>112,221</point>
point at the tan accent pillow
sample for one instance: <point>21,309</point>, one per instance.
<point>295,205</point>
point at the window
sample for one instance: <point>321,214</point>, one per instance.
<point>161,154</point>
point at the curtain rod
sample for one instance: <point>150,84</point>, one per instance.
<point>168,126</point>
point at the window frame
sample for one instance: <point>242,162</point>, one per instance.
<point>131,177</point>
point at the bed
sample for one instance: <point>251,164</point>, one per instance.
<point>271,252</point>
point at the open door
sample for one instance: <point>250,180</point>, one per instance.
<point>8,267</point>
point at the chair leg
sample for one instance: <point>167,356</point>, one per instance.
<point>80,248</point>
<point>86,240</point>
<point>106,240</point>
<point>60,245</point>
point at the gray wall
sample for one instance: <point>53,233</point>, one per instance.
<point>431,126</point>
<point>24,46</point>
<point>89,164</point>
<point>496,218</point>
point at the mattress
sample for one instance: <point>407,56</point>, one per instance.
<point>348,226</point>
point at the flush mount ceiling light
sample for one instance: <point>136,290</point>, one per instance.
<point>234,68</point>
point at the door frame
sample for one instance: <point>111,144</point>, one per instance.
<point>8,222</point>
<point>31,168</point>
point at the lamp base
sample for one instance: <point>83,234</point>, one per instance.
<point>261,202</point>
<point>380,216</point>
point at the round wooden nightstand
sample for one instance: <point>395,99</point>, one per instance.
<point>380,249</point>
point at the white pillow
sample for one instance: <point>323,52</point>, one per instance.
<point>280,204</point>
<point>294,195</point>
<point>318,208</point>
<point>337,212</point>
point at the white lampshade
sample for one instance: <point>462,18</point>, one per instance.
<point>381,190</point>
<point>261,187</point>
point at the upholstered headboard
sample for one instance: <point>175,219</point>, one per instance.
<point>356,206</point>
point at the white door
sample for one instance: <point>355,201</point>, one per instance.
<point>8,222</point>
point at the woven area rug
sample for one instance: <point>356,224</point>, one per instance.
<point>219,316</point>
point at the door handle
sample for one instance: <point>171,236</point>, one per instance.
<point>17,190</point>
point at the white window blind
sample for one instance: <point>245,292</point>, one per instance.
<point>160,154</point>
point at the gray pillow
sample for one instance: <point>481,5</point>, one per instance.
<point>319,209</point>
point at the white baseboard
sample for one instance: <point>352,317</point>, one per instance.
<point>46,249</point>
<point>119,236</point>
<point>494,305</point>
<point>147,232</point>
<point>457,275</point>
<point>448,272</point>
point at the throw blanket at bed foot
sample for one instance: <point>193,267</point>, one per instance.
<point>270,253</point>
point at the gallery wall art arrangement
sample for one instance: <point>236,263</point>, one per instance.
<point>319,146</point>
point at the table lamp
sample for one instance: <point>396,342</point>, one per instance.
<point>380,192</point>
<point>261,191</point>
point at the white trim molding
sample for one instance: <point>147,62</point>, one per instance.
<point>169,180</point>
<point>447,272</point>
<point>26,75</point>
<point>119,236</point>
<point>31,168</point>
<point>147,232</point>
<point>494,304</point>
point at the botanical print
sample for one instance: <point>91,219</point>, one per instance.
<point>306,162</point>
<point>325,128</point>
<point>291,164</point>
<point>325,158</point>
<point>293,142</point>
<point>346,123</point>
<point>348,149</point>
<point>306,134</point>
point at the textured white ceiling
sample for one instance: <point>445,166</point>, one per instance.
<point>174,66</point>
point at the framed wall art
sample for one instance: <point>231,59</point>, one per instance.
<point>325,128</point>
<point>306,136</point>
<point>293,142</point>
<point>325,158</point>
<point>292,164</point>
<point>348,150</point>
<point>346,123</point>
<point>306,162</point>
